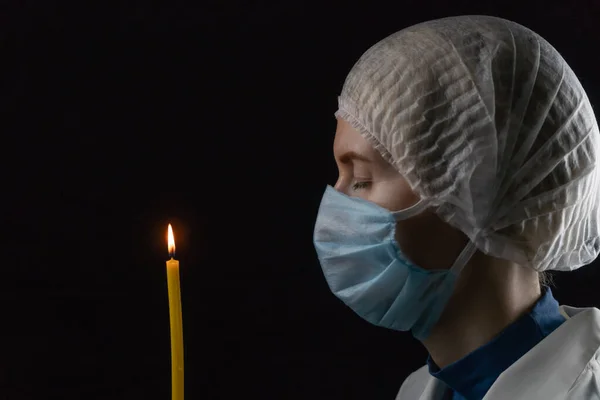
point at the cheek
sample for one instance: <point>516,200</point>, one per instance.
<point>429,242</point>
<point>394,194</point>
<point>413,238</point>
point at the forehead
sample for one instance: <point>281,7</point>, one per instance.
<point>348,139</point>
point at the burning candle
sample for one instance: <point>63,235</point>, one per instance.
<point>176,324</point>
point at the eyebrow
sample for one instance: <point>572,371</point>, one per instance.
<point>352,155</point>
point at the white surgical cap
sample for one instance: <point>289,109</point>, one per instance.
<point>486,120</point>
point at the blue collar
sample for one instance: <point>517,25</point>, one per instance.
<point>472,376</point>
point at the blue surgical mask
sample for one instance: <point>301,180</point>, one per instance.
<point>365,268</point>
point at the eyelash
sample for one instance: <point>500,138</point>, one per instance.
<point>360,185</point>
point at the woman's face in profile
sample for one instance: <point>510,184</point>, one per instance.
<point>365,174</point>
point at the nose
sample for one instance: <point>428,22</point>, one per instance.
<point>340,186</point>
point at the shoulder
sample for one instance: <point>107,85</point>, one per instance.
<point>564,365</point>
<point>414,385</point>
<point>587,383</point>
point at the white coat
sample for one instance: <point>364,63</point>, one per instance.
<point>565,365</point>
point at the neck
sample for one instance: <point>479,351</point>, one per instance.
<point>490,295</point>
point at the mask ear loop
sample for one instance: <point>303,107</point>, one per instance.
<point>465,255</point>
<point>411,211</point>
<point>463,259</point>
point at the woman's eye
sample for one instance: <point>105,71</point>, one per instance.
<point>360,185</point>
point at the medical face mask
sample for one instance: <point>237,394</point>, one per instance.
<point>365,268</point>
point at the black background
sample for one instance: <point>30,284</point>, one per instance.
<point>118,119</point>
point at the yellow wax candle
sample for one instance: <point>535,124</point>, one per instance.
<point>176,325</point>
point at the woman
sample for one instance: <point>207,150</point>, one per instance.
<point>466,150</point>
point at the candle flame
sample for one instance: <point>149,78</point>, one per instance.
<point>171,241</point>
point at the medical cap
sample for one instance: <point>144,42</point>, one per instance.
<point>486,121</point>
